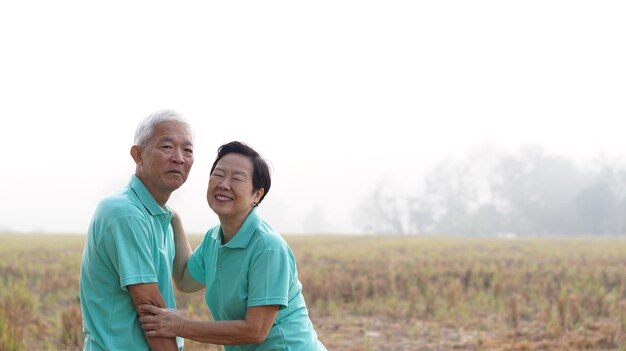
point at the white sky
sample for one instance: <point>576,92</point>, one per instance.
<point>337,95</point>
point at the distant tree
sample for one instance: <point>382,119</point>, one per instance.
<point>600,207</point>
<point>420,216</point>
<point>537,190</point>
<point>450,192</point>
<point>384,212</point>
<point>460,194</point>
<point>380,213</point>
<point>528,192</point>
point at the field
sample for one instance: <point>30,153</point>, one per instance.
<point>374,293</point>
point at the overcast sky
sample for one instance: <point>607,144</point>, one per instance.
<point>337,95</point>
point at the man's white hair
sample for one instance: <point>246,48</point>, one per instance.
<point>145,129</point>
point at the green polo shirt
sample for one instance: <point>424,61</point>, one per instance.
<point>255,268</point>
<point>130,241</point>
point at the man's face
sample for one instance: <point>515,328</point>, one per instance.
<point>166,159</point>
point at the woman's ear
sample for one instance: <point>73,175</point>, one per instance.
<point>259,195</point>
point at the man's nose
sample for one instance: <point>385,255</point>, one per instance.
<point>177,156</point>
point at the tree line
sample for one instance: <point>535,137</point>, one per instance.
<point>526,192</point>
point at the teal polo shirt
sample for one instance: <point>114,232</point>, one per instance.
<point>130,241</point>
<point>255,268</point>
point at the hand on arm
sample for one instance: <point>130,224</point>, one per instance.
<point>162,322</point>
<point>149,294</point>
<point>180,274</point>
<point>252,330</point>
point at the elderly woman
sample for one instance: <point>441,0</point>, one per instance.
<point>249,271</point>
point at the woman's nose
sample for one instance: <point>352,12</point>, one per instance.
<point>223,184</point>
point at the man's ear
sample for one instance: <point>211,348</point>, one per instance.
<point>135,152</point>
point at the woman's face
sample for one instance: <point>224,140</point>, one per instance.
<point>230,192</point>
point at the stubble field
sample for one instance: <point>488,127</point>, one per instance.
<point>374,293</point>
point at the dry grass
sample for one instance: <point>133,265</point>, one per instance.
<point>374,293</point>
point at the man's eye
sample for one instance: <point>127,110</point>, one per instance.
<point>189,151</point>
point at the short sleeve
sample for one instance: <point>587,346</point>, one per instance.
<point>128,245</point>
<point>269,278</point>
<point>196,263</point>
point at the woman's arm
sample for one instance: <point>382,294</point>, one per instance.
<point>180,274</point>
<point>252,330</point>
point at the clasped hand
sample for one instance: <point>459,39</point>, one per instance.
<point>160,322</point>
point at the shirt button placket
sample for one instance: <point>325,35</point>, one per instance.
<point>219,258</point>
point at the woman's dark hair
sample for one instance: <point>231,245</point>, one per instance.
<point>261,177</point>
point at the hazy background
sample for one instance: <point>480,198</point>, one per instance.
<point>366,109</point>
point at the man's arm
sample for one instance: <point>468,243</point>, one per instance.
<point>149,294</point>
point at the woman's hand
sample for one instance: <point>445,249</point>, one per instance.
<point>161,322</point>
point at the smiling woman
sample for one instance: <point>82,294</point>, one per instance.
<point>229,194</point>
<point>248,269</point>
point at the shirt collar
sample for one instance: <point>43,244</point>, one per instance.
<point>146,198</point>
<point>242,238</point>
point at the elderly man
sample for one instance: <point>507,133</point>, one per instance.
<point>128,256</point>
